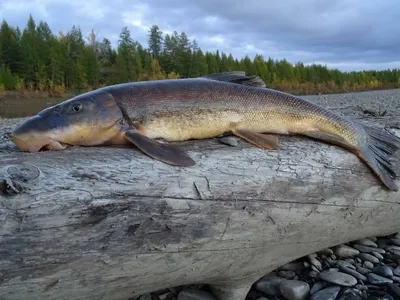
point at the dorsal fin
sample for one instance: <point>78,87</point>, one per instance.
<point>238,77</point>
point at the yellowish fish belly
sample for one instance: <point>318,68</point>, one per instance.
<point>190,126</point>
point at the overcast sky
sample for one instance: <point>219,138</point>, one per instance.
<point>344,34</point>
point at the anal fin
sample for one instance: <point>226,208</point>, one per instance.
<point>264,141</point>
<point>160,151</point>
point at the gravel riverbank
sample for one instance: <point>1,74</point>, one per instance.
<point>366,269</point>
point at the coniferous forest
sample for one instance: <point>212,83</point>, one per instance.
<point>36,59</point>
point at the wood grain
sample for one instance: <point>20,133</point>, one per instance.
<point>111,223</point>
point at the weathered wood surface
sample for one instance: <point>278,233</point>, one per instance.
<point>111,223</point>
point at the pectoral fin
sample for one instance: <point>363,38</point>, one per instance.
<point>160,151</point>
<point>265,141</point>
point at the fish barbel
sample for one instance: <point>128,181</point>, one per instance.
<point>140,113</point>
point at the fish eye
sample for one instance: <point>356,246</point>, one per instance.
<point>77,107</point>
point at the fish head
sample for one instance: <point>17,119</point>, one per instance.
<point>85,120</point>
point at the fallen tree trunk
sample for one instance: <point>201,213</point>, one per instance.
<point>111,223</point>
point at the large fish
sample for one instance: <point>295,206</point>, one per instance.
<point>198,108</point>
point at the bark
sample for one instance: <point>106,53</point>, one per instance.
<point>111,223</point>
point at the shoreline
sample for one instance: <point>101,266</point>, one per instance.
<point>13,106</point>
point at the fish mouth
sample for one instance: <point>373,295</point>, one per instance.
<point>37,145</point>
<point>53,145</point>
<point>38,134</point>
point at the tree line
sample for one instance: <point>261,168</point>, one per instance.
<point>37,59</point>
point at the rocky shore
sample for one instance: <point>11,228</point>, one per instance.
<point>366,269</point>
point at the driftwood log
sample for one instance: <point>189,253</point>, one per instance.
<point>111,223</point>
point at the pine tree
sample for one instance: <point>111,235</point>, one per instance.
<point>155,41</point>
<point>37,59</point>
<point>10,50</point>
<point>107,61</point>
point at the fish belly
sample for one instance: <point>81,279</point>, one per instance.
<point>186,126</point>
<point>212,123</point>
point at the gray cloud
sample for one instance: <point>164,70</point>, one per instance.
<point>343,34</point>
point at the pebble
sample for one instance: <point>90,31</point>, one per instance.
<point>367,249</point>
<point>395,289</point>
<point>166,296</point>
<point>329,293</point>
<point>395,278</point>
<point>354,273</point>
<point>315,262</point>
<point>361,287</point>
<point>393,249</point>
<point>294,289</point>
<point>319,285</point>
<point>195,295</point>
<point>350,260</point>
<point>373,287</point>
<point>397,271</point>
<point>338,278</point>
<point>377,255</point>
<point>333,269</point>
<point>366,242</point>
<point>350,294</point>
<point>326,251</point>
<point>383,271</point>
<point>387,297</point>
<point>229,140</point>
<point>313,274</point>
<point>363,270</point>
<point>346,251</point>
<point>331,262</point>
<point>145,297</point>
<point>376,279</point>
<point>287,274</point>
<point>316,269</point>
<point>292,266</point>
<point>368,257</point>
<point>345,264</point>
<point>392,257</point>
<point>368,264</point>
<point>395,242</point>
<point>269,285</point>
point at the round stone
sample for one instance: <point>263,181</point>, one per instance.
<point>329,293</point>
<point>338,278</point>
<point>294,289</point>
<point>378,280</point>
<point>346,251</point>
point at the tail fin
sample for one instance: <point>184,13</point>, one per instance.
<point>378,152</point>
